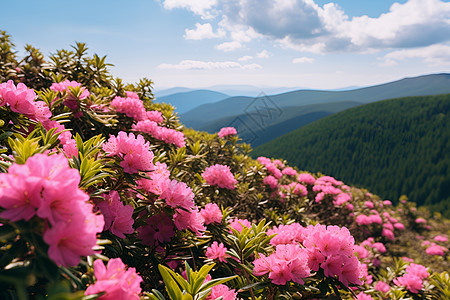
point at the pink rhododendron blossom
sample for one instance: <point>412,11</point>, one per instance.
<point>132,107</point>
<point>192,220</point>
<point>159,229</point>
<point>220,175</point>
<point>288,262</point>
<point>239,223</point>
<point>379,246</point>
<point>363,296</point>
<point>217,251</point>
<point>116,280</point>
<point>168,135</point>
<point>388,226</point>
<point>70,148</point>
<point>441,238</point>
<point>387,202</point>
<point>349,207</point>
<point>418,270</point>
<point>20,99</point>
<point>399,226</point>
<point>421,221</point>
<point>158,179</point>
<point>436,250</point>
<point>118,217</point>
<point>298,189</point>
<point>369,204</point>
<point>412,282</point>
<point>271,181</point>
<point>362,252</point>
<point>306,178</point>
<point>342,198</point>
<point>134,152</point>
<point>363,220</point>
<point>211,213</point>
<point>388,234</point>
<point>382,287</point>
<point>177,194</point>
<point>375,219</point>
<point>223,291</point>
<point>155,116</point>
<point>289,171</point>
<point>226,131</point>
<point>286,234</point>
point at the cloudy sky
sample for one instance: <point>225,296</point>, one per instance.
<point>319,44</point>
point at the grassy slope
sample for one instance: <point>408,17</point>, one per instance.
<point>392,147</point>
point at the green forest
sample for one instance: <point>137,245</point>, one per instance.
<point>393,147</point>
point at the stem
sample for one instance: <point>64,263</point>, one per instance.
<point>248,282</point>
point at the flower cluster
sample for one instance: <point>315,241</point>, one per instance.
<point>226,131</point>
<point>223,291</point>
<point>288,263</point>
<point>220,175</point>
<point>168,135</point>
<point>21,100</point>
<point>71,100</point>
<point>217,251</point>
<point>133,152</point>
<point>118,217</point>
<point>115,280</point>
<point>413,278</point>
<point>134,108</point>
<point>45,186</point>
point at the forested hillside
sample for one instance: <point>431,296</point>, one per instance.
<point>394,147</point>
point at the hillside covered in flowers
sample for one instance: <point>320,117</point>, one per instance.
<point>105,195</point>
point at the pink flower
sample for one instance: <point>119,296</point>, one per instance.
<point>133,151</point>
<point>168,135</point>
<point>387,202</point>
<point>238,224</point>
<point>399,226</point>
<point>363,296</point>
<point>382,287</point>
<point>436,250</point>
<point>368,204</point>
<point>289,171</point>
<point>418,270</point>
<point>263,265</point>
<point>226,131</point>
<point>388,234</point>
<point>421,221</point>
<point>192,220</point>
<point>220,175</point>
<point>211,213</point>
<point>441,238</point>
<point>69,241</point>
<point>271,181</point>
<point>118,217</point>
<point>217,251</point>
<point>177,194</point>
<point>20,99</point>
<point>306,178</point>
<point>158,179</point>
<point>223,291</point>
<point>132,107</point>
<point>379,246</point>
<point>412,282</point>
<point>116,280</point>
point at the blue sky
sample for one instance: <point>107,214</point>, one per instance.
<point>276,43</point>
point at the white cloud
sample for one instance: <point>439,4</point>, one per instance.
<point>263,54</point>
<point>305,26</point>
<point>229,46</point>
<point>199,7</point>
<point>435,55</point>
<point>245,58</point>
<point>208,65</point>
<point>302,60</point>
<point>202,31</point>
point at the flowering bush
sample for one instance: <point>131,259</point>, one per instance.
<point>93,171</point>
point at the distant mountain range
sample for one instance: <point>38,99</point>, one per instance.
<point>392,147</point>
<point>185,101</point>
<point>261,119</point>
